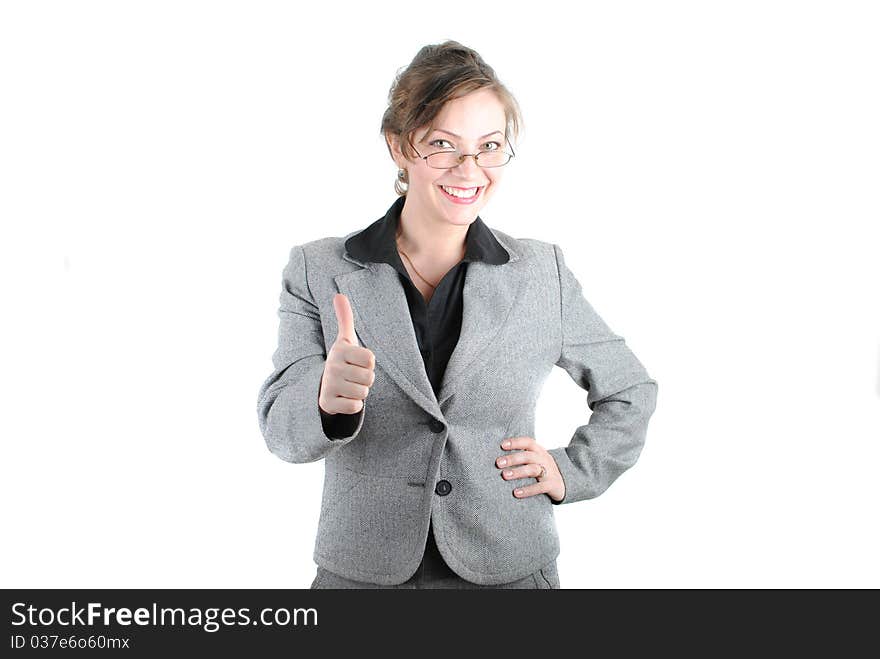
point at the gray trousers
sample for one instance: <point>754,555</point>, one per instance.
<point>433,572</point>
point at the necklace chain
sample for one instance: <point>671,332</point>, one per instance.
<point>434,286</point>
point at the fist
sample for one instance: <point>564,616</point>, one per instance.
<point>348,372</point>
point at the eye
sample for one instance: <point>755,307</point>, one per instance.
<point>498,145</point>
<point>439,140</point>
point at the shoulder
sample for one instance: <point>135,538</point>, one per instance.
<point>529,250</point>
<point>319,262</point>
<point>325,253</point>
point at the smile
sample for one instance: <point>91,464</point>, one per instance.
<point>461,195</point>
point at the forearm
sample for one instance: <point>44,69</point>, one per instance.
<point>609,444</point>
<point>290,419</point>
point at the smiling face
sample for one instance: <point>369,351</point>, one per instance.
<point>474,122</point>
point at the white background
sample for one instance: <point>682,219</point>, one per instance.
<point>709,169</point>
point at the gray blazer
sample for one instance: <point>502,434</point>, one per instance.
<point>519,319</point>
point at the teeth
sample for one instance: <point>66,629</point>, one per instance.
<point>464,194</point>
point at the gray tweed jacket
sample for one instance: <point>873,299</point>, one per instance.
<point>519,320</point>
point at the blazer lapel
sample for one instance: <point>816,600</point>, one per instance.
<point>383,322</point>
<point>489,294</point>
<point>381,318</point>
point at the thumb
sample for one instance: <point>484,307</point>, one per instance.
<point>345,319</point>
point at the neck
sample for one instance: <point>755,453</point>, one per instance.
<point>430,240</point>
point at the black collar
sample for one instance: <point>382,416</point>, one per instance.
<point>377,243</point>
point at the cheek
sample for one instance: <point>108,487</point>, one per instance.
<point>494,182</point>
<point>421,179</point>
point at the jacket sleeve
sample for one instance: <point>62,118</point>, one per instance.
<point>294,427</point>
<point>621,396</point>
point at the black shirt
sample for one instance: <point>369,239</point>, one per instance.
<point>437,323</point>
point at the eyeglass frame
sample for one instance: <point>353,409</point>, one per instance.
<point>462,156</point>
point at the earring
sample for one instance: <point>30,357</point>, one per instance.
<point>401,185</point>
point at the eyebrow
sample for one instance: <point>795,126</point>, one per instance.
<point>459,136</point>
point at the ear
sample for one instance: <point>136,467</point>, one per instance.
<point>393,143</point>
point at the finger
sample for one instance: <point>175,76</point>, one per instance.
<point>343,405</point>
<point>531,470</point>
<point>358,374</point>
<point>345,319</point>
<point>517,442</point>
<point>516,458</point>
<point>357,355</point>
<point>353,390</point>
<point>531,490</point>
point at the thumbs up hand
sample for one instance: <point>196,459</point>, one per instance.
<point>348,372</point>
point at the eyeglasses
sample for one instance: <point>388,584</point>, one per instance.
<point>453,158</point>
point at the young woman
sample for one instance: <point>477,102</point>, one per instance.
<point>447,328</point>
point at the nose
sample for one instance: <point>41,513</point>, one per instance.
<point>468,167</point>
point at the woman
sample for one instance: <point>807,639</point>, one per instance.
<point>441,484</point>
